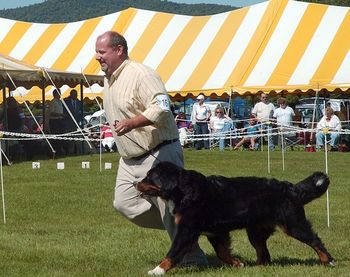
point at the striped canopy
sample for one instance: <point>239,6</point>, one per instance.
<point>279,45</point>
<point>16,74</point>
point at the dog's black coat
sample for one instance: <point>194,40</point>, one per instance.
<point>215,205</point>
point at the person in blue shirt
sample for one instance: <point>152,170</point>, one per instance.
<point>252,131</point>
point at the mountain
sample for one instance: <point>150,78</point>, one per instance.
<point>59,11</point>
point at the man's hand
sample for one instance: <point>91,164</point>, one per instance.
<point>123,126</point>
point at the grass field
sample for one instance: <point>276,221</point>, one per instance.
<point>62,223</point>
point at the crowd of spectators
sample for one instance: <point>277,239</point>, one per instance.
<point>266,122</point>
<point>61,117</point>
<point>207,129</point>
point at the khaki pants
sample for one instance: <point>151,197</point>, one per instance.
<point>149,214</point>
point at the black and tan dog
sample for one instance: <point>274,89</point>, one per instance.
<point>215,205</point>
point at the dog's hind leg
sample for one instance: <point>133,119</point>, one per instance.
<point>299,228</point>
<point>258,237</point>
<point>222,244</point>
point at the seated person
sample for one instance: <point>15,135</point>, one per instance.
<point>107,138</point>
<point>252,130</point>
<point>184,127</point>
<point>219,124</point>
<point>328,128</point>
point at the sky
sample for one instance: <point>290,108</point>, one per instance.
<point>9,4</point>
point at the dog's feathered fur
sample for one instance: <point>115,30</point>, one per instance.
<point>215,205</point>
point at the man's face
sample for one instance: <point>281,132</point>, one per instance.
<point>264,98</point>
<point>110,58</point>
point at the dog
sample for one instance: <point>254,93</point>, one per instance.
<point>215,205</point>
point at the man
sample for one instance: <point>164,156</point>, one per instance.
<point>202,115</point>
<point>263,112</point>
<point>74,106</point>
<point>137,105</point>
<point>56,120</point>
<point>284,116</point>
<point>328,129</point>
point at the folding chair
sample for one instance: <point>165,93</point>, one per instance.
<point>291,138</point>
<point>217,138</point>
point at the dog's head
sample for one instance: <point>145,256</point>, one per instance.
<point>171,182</point>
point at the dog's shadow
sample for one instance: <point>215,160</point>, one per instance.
<point>215,263</point>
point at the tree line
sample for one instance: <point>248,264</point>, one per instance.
<point>58,11</point>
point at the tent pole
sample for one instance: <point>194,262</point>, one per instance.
<point>5,113</point>
<point>43,105</point>
<point>82,112</point>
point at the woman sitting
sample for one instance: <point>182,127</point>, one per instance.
<point>184,127</point>
<point>252,131</point>
<point>219,124</point>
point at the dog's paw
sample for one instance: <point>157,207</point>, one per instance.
<point>331,263</point>
<point>157,271</point>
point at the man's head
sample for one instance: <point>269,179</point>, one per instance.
<point>56,94</point>
<point>73,94</point>
<point>111,51</point>
<point>329,112</point>
<point>282,102</point>
<point>263,98</point>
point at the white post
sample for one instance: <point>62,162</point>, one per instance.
<point>282,145</point>
<point>325,132</point>
<point>2,187</point>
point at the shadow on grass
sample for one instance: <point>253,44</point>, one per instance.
<point>215,263</point>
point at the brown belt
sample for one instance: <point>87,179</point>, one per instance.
<point>149,152</point>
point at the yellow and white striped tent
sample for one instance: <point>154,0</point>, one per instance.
<point>17,74</point>
<point>272,46</point>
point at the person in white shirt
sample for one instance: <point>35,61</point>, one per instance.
<point>284,117</point>
<point>328,128</point>
<point>219,124</point>
<point>284,114</point>
<point>263,112</point>
<point>201,116</point>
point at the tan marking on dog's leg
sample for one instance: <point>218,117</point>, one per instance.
<point>223,252</point>
<point>323,256</point>
<point>178,218</point>
<point>162,268</point>
<point>166,264</point>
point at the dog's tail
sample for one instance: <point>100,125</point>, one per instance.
<point>312,187</point>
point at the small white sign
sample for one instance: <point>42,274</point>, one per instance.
<point>108,165</point>
<point>60,165</point>
<point>36,165</point>
<point>85,165</point>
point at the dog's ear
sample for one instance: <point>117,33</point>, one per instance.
<point>191,184</point>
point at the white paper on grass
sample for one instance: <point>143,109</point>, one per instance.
<point>35,165</point>
<point>85,165</point>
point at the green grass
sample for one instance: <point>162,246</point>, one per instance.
<point>62,223</point>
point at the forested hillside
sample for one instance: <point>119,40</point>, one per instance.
<point>58,11</point>
<point>61,11</point>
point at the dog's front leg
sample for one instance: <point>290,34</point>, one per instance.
<point>183,243</point>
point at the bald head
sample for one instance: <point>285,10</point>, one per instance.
<point>111,51</point>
